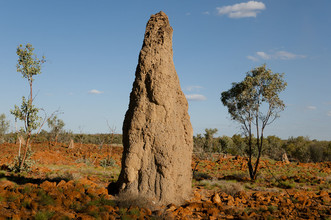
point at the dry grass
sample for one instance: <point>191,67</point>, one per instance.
<point>228,187</point>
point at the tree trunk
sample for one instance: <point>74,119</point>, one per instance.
<point>25,153</point>
<point>56,137</point>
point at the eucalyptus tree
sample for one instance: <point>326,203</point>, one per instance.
<point>4,126</point>
<point>209,139</point>
<point>56,125</point>
<point>255,103</point>
<point>29,66</point>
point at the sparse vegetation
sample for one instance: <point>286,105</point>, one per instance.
<point>81,188</point>
<point>107,162</point>
<point>44,215</point>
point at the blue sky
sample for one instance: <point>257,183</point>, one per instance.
<point>92,51</point>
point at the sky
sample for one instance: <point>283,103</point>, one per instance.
<point>92,49</point>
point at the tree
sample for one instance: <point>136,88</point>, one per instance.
<point>255,103</point>
<point>273,148</point>
<point>4,126</point>
<point>209,139</point>
<point>239,145</point>
<point>29,66</point>
<point>226,144</point>
<point>56,125</point>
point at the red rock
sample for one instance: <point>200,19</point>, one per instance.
<point>34,205</point>
<point>185,212</point>
<point>74,195</point>
<point>244,216</point>
<point>16,217</point>
<point>104,215</point>
<point>100,191</point>
<point>213,212</point>
<point>323,193</point>
<point>195,206</point>
<point>61,184</point>
<point>216,198</point>
<point>7,185</point>
<point>252,215</point>
<point>148,212</point>
<point>171,208</point>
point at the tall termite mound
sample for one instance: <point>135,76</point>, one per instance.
<point>157,132</point>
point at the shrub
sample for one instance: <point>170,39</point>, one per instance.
<point>231,188</point>
<point>28,163</point>
<point>42,215</point>
<point>45,199</point>
<point>107,162</point>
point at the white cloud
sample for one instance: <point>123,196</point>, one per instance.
<point>253,58</point>
<point>94,91</point>
<point>206,13</point>
<point>329,113</point>
<point>188,14</point>
<point>278,55</point>
<point>284,55</point>
<point>311,107</point>
<point>263,55</point>
<point>195,97</point>
<point>242,10</point>
<point>193,88</point>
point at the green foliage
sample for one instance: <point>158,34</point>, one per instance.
<point>210,144</point>
<point>305,150</point>
<point>4,126</point>
<point>135,212</point>
<point>298,149</point>
<point>240,145</point>
<point>102,201</point>
<point>272,209</point>
<point>45,199</point>
<point>226,144</point>
<point>255,102</point>
<point>27,189</point>
<point>198,142</point>
<point>245,99</point>
<point>56,125</point>
<point>28,63</point>
<point>87,161</point>
<point>44,215</point>
<point>273,148</point>
<point>287,184</point>
<point>27,164</point>
<point>26,204</point>
<point>97,138</point>
<point>12,198</point>
<point>27,113</point>
<point>316,152</point>
<point>66,136</point>
<point>107,162</point>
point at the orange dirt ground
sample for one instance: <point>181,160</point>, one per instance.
<point>70,184</point>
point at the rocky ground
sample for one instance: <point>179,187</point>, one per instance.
<point>72,184</point>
